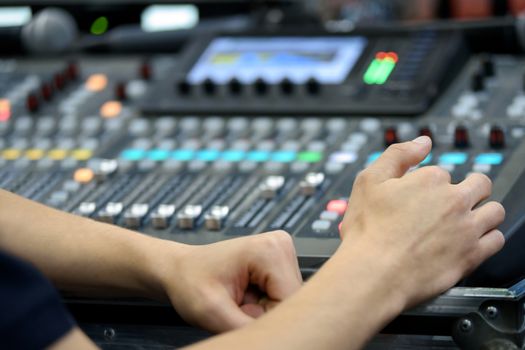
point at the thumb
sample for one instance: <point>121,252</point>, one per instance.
<point>398,158</point>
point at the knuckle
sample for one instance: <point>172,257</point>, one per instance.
<point>485,180</point>
<point>499,211</point>
<point>462,198</point>
<point>436,174</point>
<point>362,179</point>
<point>278,240</point>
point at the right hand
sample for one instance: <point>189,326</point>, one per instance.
<point>432,232</point>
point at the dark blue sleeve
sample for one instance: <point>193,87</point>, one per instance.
<point>32,315</point>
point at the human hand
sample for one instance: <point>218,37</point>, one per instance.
<point>228,284</point>
<point>429,232</point>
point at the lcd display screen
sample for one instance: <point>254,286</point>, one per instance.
<point>329,60</point>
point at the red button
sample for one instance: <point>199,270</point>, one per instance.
<point>337,205</point>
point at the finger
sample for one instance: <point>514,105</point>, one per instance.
<point>253,310</point>
<point>225,314</point>
<point>476,187</point>
<point>398,158</point>
<point>274,267</point>
<point>489,216</point>
<point>490,244</point>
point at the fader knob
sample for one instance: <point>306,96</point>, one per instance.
<point>390,136</point>
<point>477,83</point>
<point>496,138</point>
<point>461,138</point>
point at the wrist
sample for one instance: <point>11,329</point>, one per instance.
<point>159,264</point>
<point>378,274</point>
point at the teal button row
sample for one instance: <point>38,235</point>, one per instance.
<point>489,158</point>
<point>453,158</point>
<point>210,155</point>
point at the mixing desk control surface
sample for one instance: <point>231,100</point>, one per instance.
<point>74,136</point>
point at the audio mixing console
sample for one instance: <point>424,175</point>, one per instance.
<point>202,147</point>
<point>74,137</point>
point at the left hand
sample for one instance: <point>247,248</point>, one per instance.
<point>225,285</point>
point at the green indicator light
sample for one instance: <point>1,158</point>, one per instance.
<point>370,74</point>
<point>99,26</point>
<point>387,67</point>
<point>310,157</point>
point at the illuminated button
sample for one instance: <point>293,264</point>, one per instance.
<point>343,157</point>
<point>489,158</point>
<point>83,175</point>
<point>258,156</point>
<point>310,157</point>
<point>373,157</point>
<point>183,154</point>
<point>208,155</point>
<point>337,205</point>
<point>454,158</point>
<point>427,160</point>
<point>34,154</point>
<point>283,156</point>
<point>110,109</point>
<point>158,154</point>
<point>5,110</point>
<point>233,155</point>
<point>133,154</point>
<point>96,82</point>
<point>81,154</point>
<point>11,154</point>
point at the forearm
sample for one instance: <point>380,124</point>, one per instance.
<point>78,254</point>
<point>341,307</point>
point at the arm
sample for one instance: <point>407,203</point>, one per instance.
<point>210,286</point>
<point>407,237</point>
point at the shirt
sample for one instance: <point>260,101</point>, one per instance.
<point>32,315</point>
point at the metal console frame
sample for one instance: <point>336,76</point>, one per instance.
<point>476,318</point>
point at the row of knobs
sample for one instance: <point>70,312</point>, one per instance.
<point>259,87</point>
<point>461,137</point>
<point>48,89</point>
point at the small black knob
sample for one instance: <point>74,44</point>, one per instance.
<point>235,87</point>
<point>287,87</point>
<point>477,83</point>
<point>487,66</point>
<point>313,87</point>
<point>209,87</point>
<point>183,88</point>
<point>260,86</point>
